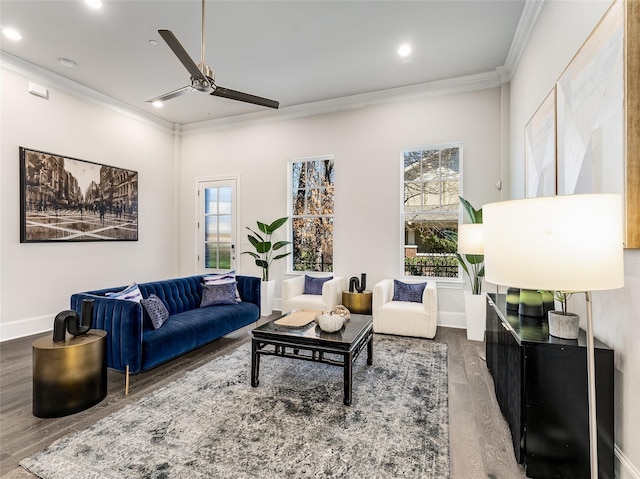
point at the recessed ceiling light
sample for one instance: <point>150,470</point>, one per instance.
<point>404,51</point>
<point>65,62</point>
<point>11,34</point>
<point>157,104</point>
<point>153,42</point>
<point>94,3</point>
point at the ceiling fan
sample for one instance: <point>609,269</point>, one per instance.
<point>202,76</point>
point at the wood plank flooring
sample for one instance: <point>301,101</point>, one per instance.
<point>480,441</point>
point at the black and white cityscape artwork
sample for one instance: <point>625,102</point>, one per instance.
<point>66,199</point>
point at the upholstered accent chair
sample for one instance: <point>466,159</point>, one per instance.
<point>417,317</point>
<point>328,294</point>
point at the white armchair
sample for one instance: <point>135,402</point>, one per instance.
<point>405,318</point>
<point>293,296</point>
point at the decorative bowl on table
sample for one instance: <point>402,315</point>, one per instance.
<point>330,322</point>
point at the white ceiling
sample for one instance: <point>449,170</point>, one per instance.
<point>295,52</point>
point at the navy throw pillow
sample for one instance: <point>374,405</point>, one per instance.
<point>314,285</point>
<point>157,311</point>
<point>214,294</point>
<point>411,292</point>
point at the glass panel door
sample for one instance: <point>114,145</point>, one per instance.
<point>217,225</point>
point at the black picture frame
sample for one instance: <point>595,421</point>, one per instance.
<point>68,199</point>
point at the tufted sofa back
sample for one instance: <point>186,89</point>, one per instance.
<point>180,294</point>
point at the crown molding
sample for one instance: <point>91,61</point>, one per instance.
<point>479,81</point>
<point>527,20</point>
<point>26,69</point>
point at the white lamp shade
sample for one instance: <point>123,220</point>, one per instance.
<point>471,238</point>
<point>557,243</point>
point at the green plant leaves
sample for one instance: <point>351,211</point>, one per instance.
<point>474,258</point>
<point>277,224</point>
<point>280,244</point>
<point>474,264</point>
<point>263,246</point>
<point>474,215</point>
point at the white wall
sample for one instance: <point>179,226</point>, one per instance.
<point>37,279</point>
<point>560,30</point>
<point>367,145</point>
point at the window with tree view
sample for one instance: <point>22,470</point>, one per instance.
<point>312,189</point>
<point>431,210</point>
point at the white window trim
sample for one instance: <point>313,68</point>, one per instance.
<point>290,162</point>
<point>453,283</point>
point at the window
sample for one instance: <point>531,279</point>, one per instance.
<point>311,210</point>
<point>431,210</point>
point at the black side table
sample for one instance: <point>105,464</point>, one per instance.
<point>69,376</point>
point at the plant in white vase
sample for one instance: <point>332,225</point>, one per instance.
<point>471,259</point>
<point>472,264</point>
<point>264,248</point>
<point>264,256</point>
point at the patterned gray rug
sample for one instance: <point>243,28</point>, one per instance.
<point>212,424</point>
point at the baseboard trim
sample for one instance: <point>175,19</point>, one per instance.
<point>449,319</point>
<point>626,469</point>
<point>26,327</point>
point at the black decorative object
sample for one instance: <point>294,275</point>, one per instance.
<point>69,320</point>
<point>530,303</point>
<point>513,299</point>
<point>359,286</point>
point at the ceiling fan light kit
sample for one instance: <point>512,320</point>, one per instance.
<point>202,76</point>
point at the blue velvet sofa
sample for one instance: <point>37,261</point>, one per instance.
<point>133,345</point>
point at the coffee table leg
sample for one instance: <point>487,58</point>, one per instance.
<point>370,350</point>
<point>255,363</point>
<point>348,373</point>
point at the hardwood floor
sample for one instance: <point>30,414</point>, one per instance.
<point>480,441</point>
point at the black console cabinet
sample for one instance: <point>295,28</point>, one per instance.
<point>541,387</point>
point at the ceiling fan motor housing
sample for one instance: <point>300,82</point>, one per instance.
<point>205,84</point>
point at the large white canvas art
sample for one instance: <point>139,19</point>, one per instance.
<point>590,96</point>
<point>540,150</point>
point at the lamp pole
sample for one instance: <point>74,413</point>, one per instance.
<point>591,380</point>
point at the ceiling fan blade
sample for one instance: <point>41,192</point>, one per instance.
<point>182,54</point>
<point>172,94</point>
<point>246,97</point>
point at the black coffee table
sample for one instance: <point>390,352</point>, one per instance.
<point>310,343</point>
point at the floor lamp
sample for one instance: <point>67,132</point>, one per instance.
<point>559,243</point>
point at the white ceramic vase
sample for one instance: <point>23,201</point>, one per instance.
<point>475,306</point>
<point>267,291</point>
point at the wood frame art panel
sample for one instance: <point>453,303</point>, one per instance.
<point>541,150</point>
<point>598,114</point>
<point>66,199</point>
<point>632,95</point>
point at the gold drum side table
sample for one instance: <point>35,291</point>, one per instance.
<point>69,376</point>
<point>357,303</point>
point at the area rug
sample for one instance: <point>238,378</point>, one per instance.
<point>211,423</point>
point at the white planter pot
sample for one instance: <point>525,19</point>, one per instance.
<point>476,311</point>
<point>565,326</point>
<point>267,291</point>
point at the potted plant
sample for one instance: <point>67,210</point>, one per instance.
<point>264,256</point>
<point>473,266</point>
<point>563,324</point>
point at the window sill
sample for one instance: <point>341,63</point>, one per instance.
<point>443,283</point>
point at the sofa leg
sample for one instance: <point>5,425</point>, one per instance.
<point>126,380</point>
